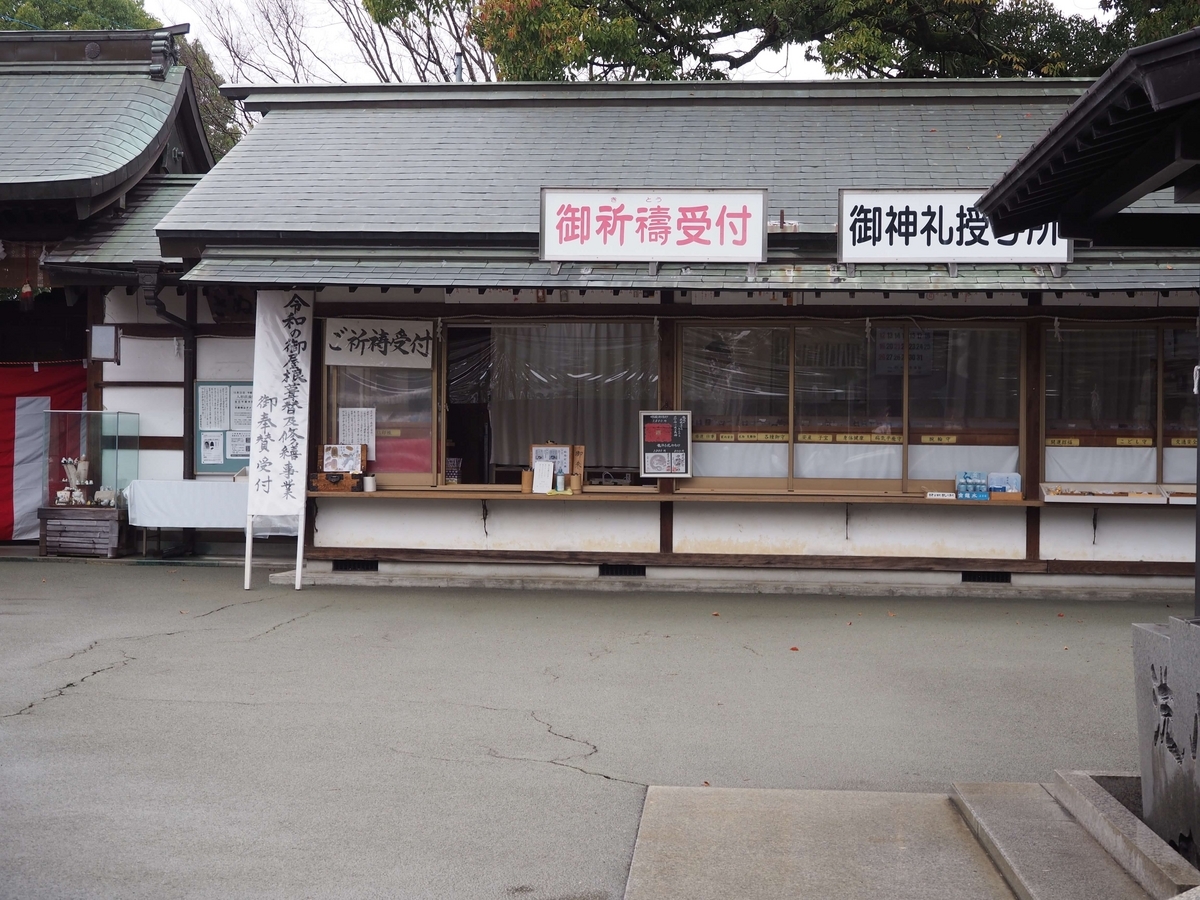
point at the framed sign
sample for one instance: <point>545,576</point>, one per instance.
<point>918,226</point>
<point>645,225</point>
<point>390,343</point>
<point>558,454</point>
<point>666,444</point>
<point>221,423</point>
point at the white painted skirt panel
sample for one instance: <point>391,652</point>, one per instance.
<point>225,359</point>
<point>818,529</point>
<point>849,460</point>
<point>716,460</point>
<point>1128,464</point>
<point>1179,465</point>
<point>931,462</point>
<point>1126,533</point>
<point>160,410</point>
<point>147,359</point>
<point>510,525</point>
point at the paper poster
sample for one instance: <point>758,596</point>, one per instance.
<point>279,432</point>
<point>241,407</point>
<point>212,448</point>
<point>558,454</point>
<point>356,425</point>
<point>666,444</point>
<point>237,444</point>
<point>213,406</point>
<point>543,476</point>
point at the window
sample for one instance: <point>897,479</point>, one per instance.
<point>735,382</point>
<point>1101,404</point>
<point>849,402</point>
<point>511,386</point>
<point>1180,353</point>
<point>403,403</point>
<point>964,401</point>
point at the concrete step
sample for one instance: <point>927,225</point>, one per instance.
<point>1042,851</point>
<point>749,844</point>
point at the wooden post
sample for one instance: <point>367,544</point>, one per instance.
<point>1032,476</point>
<point>95,370</point>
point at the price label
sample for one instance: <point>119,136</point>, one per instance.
<point>1135,442</point>
<point>1062,442</point>
<point>939,439</point>
<point>806,438</point>
<point>1183,442</point>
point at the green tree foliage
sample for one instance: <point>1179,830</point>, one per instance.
<point>616,39</point>
<point>76,15</point>
<point>216,112</point>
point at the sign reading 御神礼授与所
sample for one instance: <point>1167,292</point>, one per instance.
<point>696,226</point>
<point>935,227</point>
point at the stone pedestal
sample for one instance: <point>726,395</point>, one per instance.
<point>1166,661</point>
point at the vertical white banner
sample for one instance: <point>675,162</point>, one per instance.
<point>279,429</point>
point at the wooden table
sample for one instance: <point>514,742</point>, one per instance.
<point>100,531</point>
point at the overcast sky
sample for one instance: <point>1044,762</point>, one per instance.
<point>330,39</point>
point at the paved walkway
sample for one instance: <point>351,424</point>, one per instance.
<point>168,735</point>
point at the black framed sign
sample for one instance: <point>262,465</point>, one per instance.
<point>666,444</point>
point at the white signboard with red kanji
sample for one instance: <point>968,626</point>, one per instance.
<point>935,227</point>
<point>696,226</point>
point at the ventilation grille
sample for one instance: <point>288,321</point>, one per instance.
<point>356,565</point>
<point>987,577</point>
<point>607,570</point>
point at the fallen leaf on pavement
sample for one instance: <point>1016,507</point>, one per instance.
<point>706,784</point>
<point>1060,615</point>
<point>183,612</point>
<point>849,623</point>
<point>716,614</point>
<point>892,614</point>
<point>794,648</point>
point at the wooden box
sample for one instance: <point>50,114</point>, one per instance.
<point>335,482</point>
<point>99,531</point>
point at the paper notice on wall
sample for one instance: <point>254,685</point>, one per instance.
<point>356,425</point>
<point>212,448</point>
<point>213,406</point>
<point>237,444</point>
<point>241,407</point>
<point>543,476</point>
<point>279,432</point>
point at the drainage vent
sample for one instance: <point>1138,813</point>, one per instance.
<point>356,565</point>
<point>622,571</point>
<point>987,577</point>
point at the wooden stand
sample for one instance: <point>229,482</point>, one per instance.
<point>99,531</point>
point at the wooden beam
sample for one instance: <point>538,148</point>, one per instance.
<point>95,370</point>
<point>160,442</point>
<point>189,388</point>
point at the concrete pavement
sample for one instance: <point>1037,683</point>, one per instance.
<point>167,734</point>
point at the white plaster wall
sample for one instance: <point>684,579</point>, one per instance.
<point>160,465</point>
<point>820,529</point>
<point>120,307</point>
<point>147,359</point>
<point>160,410</point>
<point>225,359</point>
<point>1179,465</point>
<point>1122,532</point>
<point>511,525</point>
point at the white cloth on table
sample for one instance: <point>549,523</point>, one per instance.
<point>198,504</point>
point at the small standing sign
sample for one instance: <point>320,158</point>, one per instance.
<point>666,443</point>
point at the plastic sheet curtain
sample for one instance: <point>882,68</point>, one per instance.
<point>566,383</point>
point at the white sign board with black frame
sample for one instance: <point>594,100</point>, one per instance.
<point>666,443</point>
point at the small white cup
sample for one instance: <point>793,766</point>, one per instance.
<point>369,486</point>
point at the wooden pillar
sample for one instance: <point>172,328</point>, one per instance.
<point>95,371</point>
<point>1032,476</point>
<point>189,388</point>
<point>666,400</point>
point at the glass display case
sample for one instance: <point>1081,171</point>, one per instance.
<point>90,457</point>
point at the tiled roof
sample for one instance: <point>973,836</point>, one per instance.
<point>76,129</point>
<point>118,240</point>
<point>466,159</point>
<point>364,266</point>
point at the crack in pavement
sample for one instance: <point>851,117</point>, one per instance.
<point>58,692</point>
<point>228,605</point>
<point>561,761</point>
<point>90,646</point>
<point>289,621</point>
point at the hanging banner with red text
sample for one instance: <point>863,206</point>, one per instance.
<point>695,226</point>
<point>279,429</point>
